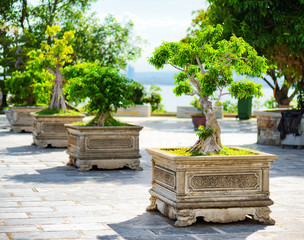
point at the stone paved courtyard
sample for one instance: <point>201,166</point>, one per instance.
<point>43,198</point>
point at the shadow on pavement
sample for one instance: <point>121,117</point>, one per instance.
<point>70,175</point>
<point>31,150</point>
<point>153,225</point>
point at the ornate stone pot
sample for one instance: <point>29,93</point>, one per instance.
<point>21,119</point>
<point>218,188</point>
<point>49,130</point>
<point>104,147</point>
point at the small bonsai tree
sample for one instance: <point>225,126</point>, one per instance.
<point>53,58</point>
<point>206,64</point>
<point>106,89</point>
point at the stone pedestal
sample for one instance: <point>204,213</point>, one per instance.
<point>49,130</point>
<point>267,126</point>
<point>21,119</point>
<point>218,188</point>
<point>104,147</point>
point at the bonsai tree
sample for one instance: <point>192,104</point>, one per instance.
<point>206,64</point>
<point>53,58</point>
<point>106,89</point>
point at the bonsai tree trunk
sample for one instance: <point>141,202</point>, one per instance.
<point>58,99</point>
<point>211,144</point>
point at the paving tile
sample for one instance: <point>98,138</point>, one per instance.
<point>46,235</point>
<point>33,221</point>
<point>110,204</point>
<point>74,226</point>
<point>13,215</point>
<point>24,228</point>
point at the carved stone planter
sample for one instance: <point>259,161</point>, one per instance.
<point>218,188</point>
<point>21,119</point>
<point>104,147</point>
<point>49,130</point>
<point>8,114</point>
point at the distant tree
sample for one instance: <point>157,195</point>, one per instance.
<point>111,43</point>
<point>274,28</point>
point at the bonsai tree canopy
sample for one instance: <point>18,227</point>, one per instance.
<point>53,58</point>
<point>206,64</point>
<point>106,89</point>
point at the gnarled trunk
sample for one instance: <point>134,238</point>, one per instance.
<point>58,99</point>
<point>212,144</point>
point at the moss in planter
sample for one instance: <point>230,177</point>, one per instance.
<point>28,105</point>
<point>227,152</point>
<point>48,111</point>
<point>109,122</point>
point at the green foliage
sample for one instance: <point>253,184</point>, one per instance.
<point>206,62</point>
<point>300,97</point>
<point>106,89</point>
<point>29,87</point>
<point>204,133</point>
<point>228,106</point>
<point>195,103</point>
<point>138,93</point>
<point>227,151</point>
<point>53,56</point>
<point>109,122</point>
<point>271,103</point>
<point>23,25</point>
<point>154,98</point>
<point>274,28</point>
<point>110,42</point>
<point>245,89</point>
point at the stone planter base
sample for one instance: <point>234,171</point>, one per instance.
<point>267,126</point>
<point>104,147</point>
<point>21,119</point>
<point>49,130</point>
<point>218,188</point>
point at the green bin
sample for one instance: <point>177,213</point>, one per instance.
<point>244,108</point>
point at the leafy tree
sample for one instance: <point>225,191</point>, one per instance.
<point>274,28</point>
<point>106,89</point>
<point>27,87</point>
<point>53,58</point>
<point>206,64</point>
<point>110,42</point>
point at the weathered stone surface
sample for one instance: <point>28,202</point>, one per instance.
<point>21,119</point>
<point>267,127</point>
<point>104,147</point>
<point>50,130</point>
<point>218,188</point>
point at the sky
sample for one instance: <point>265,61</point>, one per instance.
<point>154,21</point>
